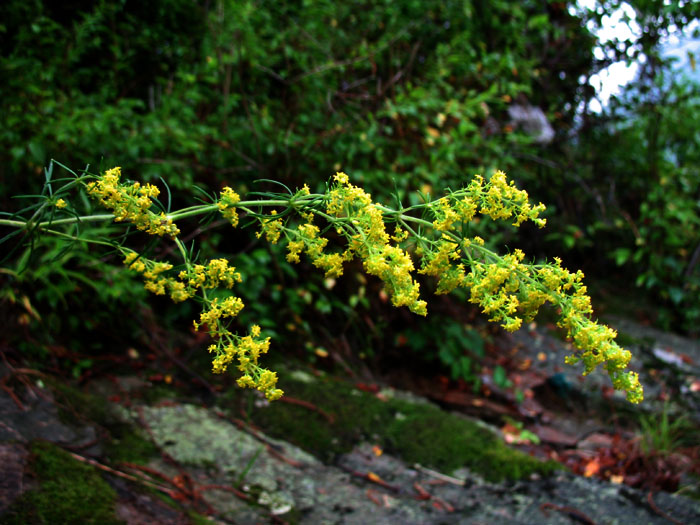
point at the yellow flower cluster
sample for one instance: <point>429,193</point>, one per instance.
<point>132,203</point>
<point>510,292</point>
<point>497,198</point>
<point>247,350</point>
<point>500,199</point>
<point>227,205</point>
<point>495,286</point>
<point>362,223</point>
<point>155,279</point>
<point>215,274</point>
<point>446,216</point>
<point>229,307</point>
<point>438,263</point>
<point>595,341</point>
<point>271,228</point>
<point>60,204</point>
<point>212,275</point>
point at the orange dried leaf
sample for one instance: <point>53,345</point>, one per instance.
<point>592,468</point>
<point>525,364</point>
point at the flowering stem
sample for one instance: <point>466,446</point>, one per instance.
<point>508,290</point>
<point>82,239</point>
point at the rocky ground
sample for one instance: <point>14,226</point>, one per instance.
<point>121,449</point>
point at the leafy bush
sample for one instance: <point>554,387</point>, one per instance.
<point>408,95</point>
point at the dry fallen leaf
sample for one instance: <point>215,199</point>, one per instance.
<point>592,468</point>
<point>525,364</point>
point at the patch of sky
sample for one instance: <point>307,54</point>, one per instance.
<point>683,47</point>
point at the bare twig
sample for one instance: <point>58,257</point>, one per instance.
<point>310,406</point>
<point>371,476</point>
<point>96,464</point>
<point>652,504</point>
<point>574,514</point>
<point>438,475</point>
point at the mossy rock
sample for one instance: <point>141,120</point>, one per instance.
<point>128,446</point>
<point>424,434</point>
<point>68,492</point>
<point>416,432</point>
<point>123,442</point>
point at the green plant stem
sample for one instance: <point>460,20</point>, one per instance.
<point>187,212</point>
<point>71,220</point>
<point>75,238</point>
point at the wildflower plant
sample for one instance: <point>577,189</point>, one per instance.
<point>332,228</point>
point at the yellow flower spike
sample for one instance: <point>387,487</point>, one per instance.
<point>227,205</point>
<point>246,381</point>
<point>274,394</point>
<point>341,178</point>
<point>400,234</point>
<point>295,248</point>
<point>113,173</point>
<point>272,228</point>
<point>331,263</point>
<point>129,203</point>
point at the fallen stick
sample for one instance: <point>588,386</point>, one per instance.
<point>438,475</point>
<point>97,464</point>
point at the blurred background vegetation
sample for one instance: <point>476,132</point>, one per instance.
<point>408,96</point>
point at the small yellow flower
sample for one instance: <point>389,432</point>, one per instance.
<point>341,178</point>
<point>60,204</point>
<point>227,205</point>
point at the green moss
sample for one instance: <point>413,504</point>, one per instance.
<point>126,445</point>
<point>123,443</point>
<point>158,392</point>
<point>354,414</point>
<point>417,432</point>
<point>424,434</point>
<point>69,492</point>
<point>73,401</point>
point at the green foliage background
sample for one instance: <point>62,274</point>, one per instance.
<point>404,96</point>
